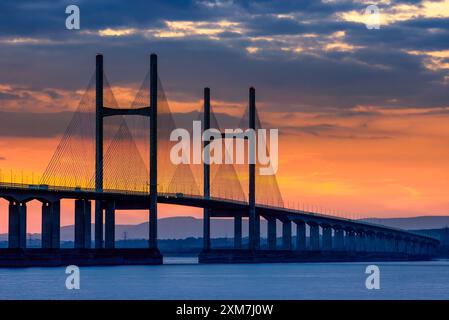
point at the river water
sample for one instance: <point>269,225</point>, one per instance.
<point>183,278</point>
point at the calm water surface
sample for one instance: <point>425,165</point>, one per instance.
<point>183,278</point>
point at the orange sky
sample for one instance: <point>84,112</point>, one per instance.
<point>374,163</point>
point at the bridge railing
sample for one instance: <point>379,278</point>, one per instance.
<point>42,187</point>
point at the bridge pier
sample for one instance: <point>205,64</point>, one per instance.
<point>98,224</point>
<point>350,240</point>
<point>380,242</point>
<point>327,237</point>
<point>360,241</point>
<point>237,232</point>
<point>300,235</point>
<point>87,224</point>
<point>13,225</point>
<point>371,242</point>
<point>407,245</point>
<point>47,228</point>
<point>56,224</point>
<point>395,244</point>
<point>110,225</point>
<point>271,232</point>
<point>286,234</point>
<point>314,236</point>
<point>82,223</point>
<point>51,224</point>
<point>339,243</point>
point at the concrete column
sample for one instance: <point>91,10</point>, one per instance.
<point>300,235</point>
<point>56,224</point>
<point>13,225</point>
<point>314,237</point>
<point>238,232</point>
<point>396,244</point>
<point>356,241</point>
<point>271,225</point>
<point>407,246</point>
<point>327,238</point>
<point>22,225</point>
<point>390,243</point>
<point>46,234</point>
<point>371,242</point>
<point>428,249</point>
<point>380,242</point>
<point>360,241</point>
<point>339,242</point>
<point>364,247</point>
<point>350,240</point>
<point>420,248</point>
<point>414,247</point>
<point>87,224</point>
<point>110,225</point>
<point>98,224</point>
<point>79,223</point>
<point>401,245</point>
<point>287,235</point>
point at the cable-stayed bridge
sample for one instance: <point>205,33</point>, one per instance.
<point>113,158</point>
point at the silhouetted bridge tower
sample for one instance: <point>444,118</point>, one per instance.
<point>329,238</point>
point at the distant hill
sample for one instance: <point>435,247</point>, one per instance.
<point>185,227</point>
<point>414,223</point>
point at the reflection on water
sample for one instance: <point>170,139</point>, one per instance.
<point>182,278</point>
<point>180,260</point>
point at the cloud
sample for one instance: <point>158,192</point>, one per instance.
<point>299,55</point>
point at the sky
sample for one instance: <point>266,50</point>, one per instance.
<point>362,113</point>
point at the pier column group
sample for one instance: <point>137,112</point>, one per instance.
<point>17,224</point>
<point>82,223</point>
<point>51,217</point>
<point>98,224</point>
<point>380,242</point>
<point>14,224</point>
<point>314,237</point>
<point>360,241</point>
<point>350,240</point>
<point>339,243</point>
<point>300,235</point>
<point>271,232</point>
<point>371,242</point>
<point>109,240</point>
<point>47,228</point>
<point>327,238</point>
<point>286,235</point>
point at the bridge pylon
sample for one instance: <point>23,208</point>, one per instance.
<point>102,111</point>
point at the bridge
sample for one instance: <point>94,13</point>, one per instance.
<point>134,172</point>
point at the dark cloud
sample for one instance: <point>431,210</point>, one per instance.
<point>378,71</point>
<point>26,124</point>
